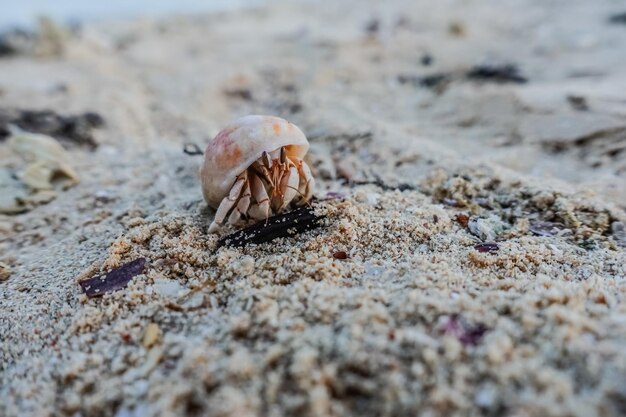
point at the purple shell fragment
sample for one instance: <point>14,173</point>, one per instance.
<point>543,228</point>
<point>487,247</point>
<point>467,333</point>
<point>114,280</point>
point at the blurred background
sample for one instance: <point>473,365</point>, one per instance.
<point>398,87</point>
<point>24,13</point>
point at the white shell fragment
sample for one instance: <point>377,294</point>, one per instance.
<point>32,169</point>
<point>254,168</point>
<point>47,161</point>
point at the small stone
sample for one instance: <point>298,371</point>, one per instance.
<point>246,265</point>
<point>486,396</point>
<point>151,335</point>
<point>197,300</point>
<point>456,29</point>
<point>544,228</point>
<point>168,288</point>
<point>462,219</point>
<point>12,193</point>
<point>152,360</point>
<point>6,225</point>
<point>578,103</point>
<point>486,229</point>
<point>499,348</point>
<point>618,229</point>
<point>372,198</point>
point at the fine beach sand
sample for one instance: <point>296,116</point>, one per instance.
<point>417,320</point>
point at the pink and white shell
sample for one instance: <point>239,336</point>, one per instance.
<point>241,143</point>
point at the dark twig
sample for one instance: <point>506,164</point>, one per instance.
<point>192,149</point>
<point>496,73</point>
<point>282,225</point>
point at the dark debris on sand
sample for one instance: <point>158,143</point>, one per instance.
<point>15,41</point>
<point>496,73</point>
<point>282,225</point>
<point>75,130</point>
<point>439,81</point>
<point>618,19</point>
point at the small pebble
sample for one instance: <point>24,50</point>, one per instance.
<point>372,198</point>
<point>426,60</point>
<point>486,229</point>
<point>168,288</point>
<point>151,335</point>
<point>462,219</point>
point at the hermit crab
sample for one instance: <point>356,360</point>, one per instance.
<point>254,168</point>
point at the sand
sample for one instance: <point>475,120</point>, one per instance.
<point>421,318</point>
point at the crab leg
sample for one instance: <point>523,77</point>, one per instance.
<point>242,206</point>
<point>282,180</point>
<point>260,170</point>
<point>289,186</point>
<point>305,188</point>
<point>261,209</point>
<point>228,202</point>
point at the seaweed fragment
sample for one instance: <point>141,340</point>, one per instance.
<point>113,280</point>
<point>436,81</point>
<point>76,129</point>
<point>5,271</point>
<point>618,19</point>
<point>348,137</point>
<point>282,225</point>
<point>383,185</point>
<point>439,81</point>
<point>496,73</point>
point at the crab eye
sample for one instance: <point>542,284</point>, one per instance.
<point>283,156</point>
<point>267,161</point>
